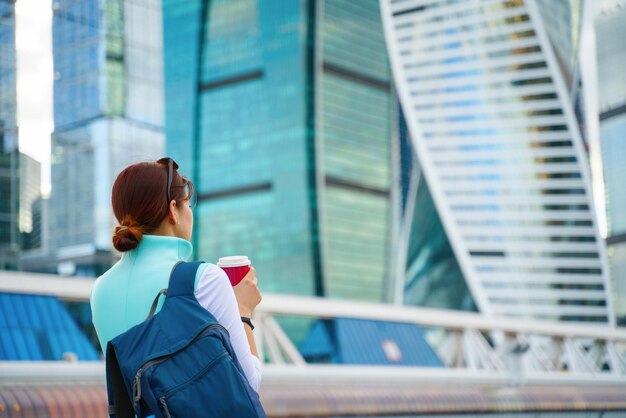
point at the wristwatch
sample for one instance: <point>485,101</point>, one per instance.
<point>247,321</point>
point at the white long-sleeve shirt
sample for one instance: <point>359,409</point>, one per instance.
<point>215,293</point>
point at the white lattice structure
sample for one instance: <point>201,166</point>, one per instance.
<point>490,108</point>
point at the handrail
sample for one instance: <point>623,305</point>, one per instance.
<point>75,289</point>
<point>469,340</point>
<point>79,289</point>
<point>428,317</point>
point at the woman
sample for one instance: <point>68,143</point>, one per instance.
<point>152,203</point>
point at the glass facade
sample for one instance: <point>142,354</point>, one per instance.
<point>617,261</point>
<point>249,147</point>
<point>30,190</point>
<point>613,137</point>
<point>76,43</point>
<point>9,156</point>
<point>500,153</point>
<point>610,25</point>
<point>279,124</point>
<point>108,113</point>
<point>73,153</point>
<point>354,137</point>
<point>107,62</point>
<point>432,277</point>
<point>562,22</point>
<point>8,109</point>
<point>610,22</point>
<point>78,102</point>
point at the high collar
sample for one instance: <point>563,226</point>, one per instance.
<point>164,247</point>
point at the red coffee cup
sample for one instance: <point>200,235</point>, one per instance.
<point>236,267</point>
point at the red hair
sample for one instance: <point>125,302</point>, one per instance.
<point>139,199</point>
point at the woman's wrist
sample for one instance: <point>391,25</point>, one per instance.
<point>245,312</point>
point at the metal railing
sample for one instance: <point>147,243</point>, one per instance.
<point>475,348</point>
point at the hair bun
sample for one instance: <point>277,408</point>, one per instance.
<point>127,237</point>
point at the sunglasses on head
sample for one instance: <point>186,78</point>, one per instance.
<point>171,166</point>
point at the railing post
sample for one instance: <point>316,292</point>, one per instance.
<point>514,352</point>
<point>616,360</point>
<point>284,342</point>
<point>451,351</point>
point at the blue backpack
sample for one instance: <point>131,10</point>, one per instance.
<point>178,363</point>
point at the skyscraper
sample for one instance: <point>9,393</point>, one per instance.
<point>492,96</point>
<point>610,31</point>
<point>9,155</point>
<point>108,113</point>
<point>30,190</point>
<point>281,113</point>
<point>426,272</point>
<point>31,211</point>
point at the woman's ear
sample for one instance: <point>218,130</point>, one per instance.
<point>172,212</point>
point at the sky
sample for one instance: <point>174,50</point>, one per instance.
<point>33,41</point>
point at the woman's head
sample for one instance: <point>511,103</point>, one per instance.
<point>144,204</point>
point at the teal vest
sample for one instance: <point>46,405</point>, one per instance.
<point>121,298</point>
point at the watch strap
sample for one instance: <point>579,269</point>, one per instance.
<point>247,321</point>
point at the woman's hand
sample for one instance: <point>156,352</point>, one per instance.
<point>247,293</point>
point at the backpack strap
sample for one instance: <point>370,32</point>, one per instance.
<point>183,279</point>
<point>155,303</point>
<point>119,401</point>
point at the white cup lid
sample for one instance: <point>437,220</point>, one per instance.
<point>234,261</point>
